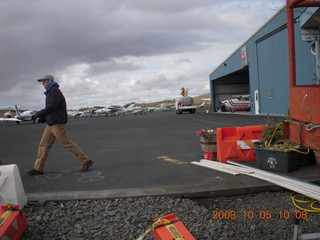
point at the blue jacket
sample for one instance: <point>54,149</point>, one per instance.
<point>55,111</point>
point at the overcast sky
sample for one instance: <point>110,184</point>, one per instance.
<point>105,52</point>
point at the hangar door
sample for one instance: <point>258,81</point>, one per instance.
<point>231,85</point>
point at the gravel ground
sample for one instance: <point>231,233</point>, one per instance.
<point>257,216</point>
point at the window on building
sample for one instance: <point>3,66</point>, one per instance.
<point>270,94</point>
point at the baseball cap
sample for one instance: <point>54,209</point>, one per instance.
<point>46,77</point>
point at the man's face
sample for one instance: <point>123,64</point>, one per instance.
<point>45,83</point>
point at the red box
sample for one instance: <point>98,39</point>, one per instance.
<point>15,223</point>
<point>208,156</point>
<point>170,227</point>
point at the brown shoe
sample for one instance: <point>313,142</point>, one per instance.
<point>85,166</point>
<point>34,172</point>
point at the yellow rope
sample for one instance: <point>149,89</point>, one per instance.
<point>6,214</point>
<point>292,149</point>
<point>154,225</point>
<point>296,150</point>
<point>308,200</point>
<point>274,132</point>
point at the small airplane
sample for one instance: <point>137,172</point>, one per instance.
<point>164,108</point>
<point>140,110</point>
<point>73,113</point>
<point>151,109</point>
<point>103,111</point>
<point>21,116</point>
<point>240,103</point>
<point>8,114</point>
<point>116,110</point>
<point>128,108</point>
<point>88,113</point>
<point>202,105</point>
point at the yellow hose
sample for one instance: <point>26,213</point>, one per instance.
<point>310,201</point>
<point>296,150</point>
<point>274,132</point>
<point>292,149</point>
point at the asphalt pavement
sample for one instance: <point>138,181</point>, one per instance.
<point>134,155</point>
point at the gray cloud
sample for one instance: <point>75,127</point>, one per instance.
<point>46,36</point>
<point>112,66</point>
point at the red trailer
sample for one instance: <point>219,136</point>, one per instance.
<point>304,124</point>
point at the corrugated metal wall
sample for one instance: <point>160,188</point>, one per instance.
<point>272,67</point>
<point>273,74</point>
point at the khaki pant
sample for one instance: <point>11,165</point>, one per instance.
<point>50,134</point>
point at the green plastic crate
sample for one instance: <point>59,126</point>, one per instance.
<point>275,160</point>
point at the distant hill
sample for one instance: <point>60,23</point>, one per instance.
<point>197,100</point>
<point>155,104</point>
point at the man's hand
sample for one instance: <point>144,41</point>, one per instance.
<point>34,117</point>
<point>42,120</point>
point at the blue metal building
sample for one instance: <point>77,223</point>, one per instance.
<point>260,66</point>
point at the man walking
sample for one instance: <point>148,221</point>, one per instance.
<point>55,114</point>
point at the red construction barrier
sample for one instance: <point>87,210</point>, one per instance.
<point>12,222</point>
<point>170,227</point>
<point>236,143</point>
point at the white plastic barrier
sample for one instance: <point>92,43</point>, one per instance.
<point>11,188</point>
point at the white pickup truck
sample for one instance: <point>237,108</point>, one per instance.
<point>185,104</point>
